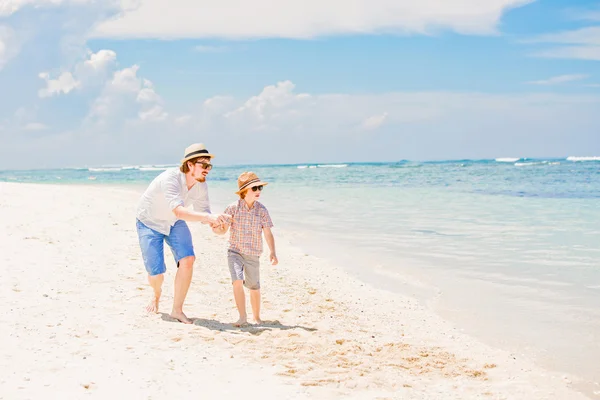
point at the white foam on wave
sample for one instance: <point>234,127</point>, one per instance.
<point>109,169</point>
<point>332,165</point>
<point>152,168</point>
<point>322,166</point>
<point>527,164</point>
<point>507,159</point>
<point>593,158</point>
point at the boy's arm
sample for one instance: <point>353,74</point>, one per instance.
<point>220,229</point>
<point>271,243</point>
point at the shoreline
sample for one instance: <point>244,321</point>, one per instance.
<point>329,333</point>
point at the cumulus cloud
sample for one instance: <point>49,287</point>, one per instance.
<point>303,18</point>
<point>9,46</point>
<point>63,84</point>
<point>125,94</point>
<point>91,70</point>
<point>556,80</point>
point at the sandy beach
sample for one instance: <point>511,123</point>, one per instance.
<point>74,289</point>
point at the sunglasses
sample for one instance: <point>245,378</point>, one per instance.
<point>255,188</point>
<point>205,165</point>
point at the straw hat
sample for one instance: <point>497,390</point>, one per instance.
<point>247,180</point>
<point>195,150</point>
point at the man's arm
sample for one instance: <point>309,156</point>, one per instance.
<point>195,216</point>
<point>271,243</point>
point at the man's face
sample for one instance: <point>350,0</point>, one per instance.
<point>201,168</point>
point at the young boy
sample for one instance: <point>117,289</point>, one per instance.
<point>249,219</point>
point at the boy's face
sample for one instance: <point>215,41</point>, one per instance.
<point>254,193</point>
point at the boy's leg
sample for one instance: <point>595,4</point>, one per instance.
<point>151,244</point>
<point>255,302</point>
<point>180,241</point>
<point>252,282</point>
<point>236,269</point>
<point>240,301</point>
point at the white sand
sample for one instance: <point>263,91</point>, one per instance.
<point>73,289</point>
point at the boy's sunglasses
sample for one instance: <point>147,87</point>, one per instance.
<point>255,188</point>
<point>205,165</point>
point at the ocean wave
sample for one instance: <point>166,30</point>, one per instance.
<point>322,166</point>
<point>107,169</point>
<point>332,165</point>
<point>152,168</point>
<point>575,159</point>
<point>507,159</point>
<point>526,164</point>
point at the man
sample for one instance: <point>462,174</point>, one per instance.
<point>161,217</point>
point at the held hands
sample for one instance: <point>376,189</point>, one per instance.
<point>220,222</point>
<point>273,259</point>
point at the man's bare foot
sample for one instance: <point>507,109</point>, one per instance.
<point>152,307</point>
<point>240,322</point>
<point>181,317</point>
<point>258,321</point>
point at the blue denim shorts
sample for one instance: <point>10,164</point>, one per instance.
<point>179,240</point>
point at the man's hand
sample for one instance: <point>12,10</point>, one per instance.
<point>219,220</point>
<point>273,259</point>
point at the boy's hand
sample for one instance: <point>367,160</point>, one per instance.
<point>273,259</point>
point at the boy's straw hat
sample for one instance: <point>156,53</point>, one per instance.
<point>247,180</point>
<point>195,150</point>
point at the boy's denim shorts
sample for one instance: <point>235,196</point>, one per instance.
<point>151,243</point>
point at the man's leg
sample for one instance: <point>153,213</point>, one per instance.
<point>151,244</point>
<point>156,282</point>
<point>255,302</point>
<point>182,247</point>
<point>240,301</point>
<point>183,278</point>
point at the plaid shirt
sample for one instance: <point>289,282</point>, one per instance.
<point>246,227</point>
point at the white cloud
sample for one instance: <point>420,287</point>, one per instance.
<point>555,80</point>
<point>183,120</point>
<point>571,52</point>
<point>8,7</point>
<point>583,43</point>
<point>274,102</point>
<point>35,126</point>
<point>582,36</point>
<point>210,49</point>
<point>303,18</point>
<point>156,113</point>
<point>63,84</point>
<point>281,125</point>
<point>101,60</point>
<point>124,94</point>
<point>91,70</point>
<point>374,121</point>
<point>9,46</point>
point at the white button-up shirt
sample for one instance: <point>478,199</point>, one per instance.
<point>167,191</point>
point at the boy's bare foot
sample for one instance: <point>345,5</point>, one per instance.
<point>152,307</point>
<point>240,322</point>
<point>181,317</point>
<point>258,321</point>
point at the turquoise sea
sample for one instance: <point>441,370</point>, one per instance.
<point>506,249</point>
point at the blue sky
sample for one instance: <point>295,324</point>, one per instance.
<point>120,82</point>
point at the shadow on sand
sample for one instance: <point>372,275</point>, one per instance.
<point>254,329</point>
